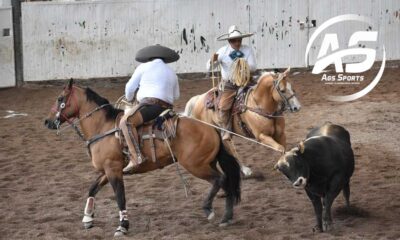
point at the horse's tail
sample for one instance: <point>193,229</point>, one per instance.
<point>190,105</point>
<point>231,169</point>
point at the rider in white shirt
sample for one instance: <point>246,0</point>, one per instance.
<point>225,57</point>
<point>157,88</point>
<point>226,61</point>
<point>156,79</point>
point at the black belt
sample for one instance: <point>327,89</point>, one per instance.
<point>155,101</point>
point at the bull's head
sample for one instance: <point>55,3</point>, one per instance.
<point>294,166</point>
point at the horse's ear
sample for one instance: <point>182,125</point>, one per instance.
<point>70,83</point>
<point>286,72</point>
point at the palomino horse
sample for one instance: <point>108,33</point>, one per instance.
<point>197,148</point>
<point>260,114</point>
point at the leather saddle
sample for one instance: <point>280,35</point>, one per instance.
<point>213,97</point>
<point>164,126</point>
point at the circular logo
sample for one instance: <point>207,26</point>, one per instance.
<point>330,41</point>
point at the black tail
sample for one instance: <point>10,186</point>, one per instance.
<point>231,169</point>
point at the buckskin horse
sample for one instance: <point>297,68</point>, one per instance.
<point>197,148</point>
<point>257,112</point>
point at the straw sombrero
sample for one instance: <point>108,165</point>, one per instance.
<point>156,51</point>
<point>233,33</point>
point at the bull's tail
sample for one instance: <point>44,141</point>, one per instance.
<point>232,178</point>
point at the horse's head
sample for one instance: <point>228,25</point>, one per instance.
<point>64,109</point>
<point>284,93</point>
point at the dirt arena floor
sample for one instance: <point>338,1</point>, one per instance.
<point>44,178</point>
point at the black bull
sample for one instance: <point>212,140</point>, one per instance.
<point>322,165</point>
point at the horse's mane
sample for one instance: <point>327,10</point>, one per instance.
<point>271,73</point>
<point>111,111</point>
<point>264,74</point>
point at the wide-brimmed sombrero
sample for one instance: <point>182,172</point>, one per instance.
<point>233,33</point>
<point>156,51</point>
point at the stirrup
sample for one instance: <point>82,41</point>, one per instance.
<point>226,137</point>
<point>131,165</point>
<point>128,167</point>
<point>126,152</point>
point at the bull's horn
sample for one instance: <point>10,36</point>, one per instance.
<point>301,147</point>
<point>276,166</point>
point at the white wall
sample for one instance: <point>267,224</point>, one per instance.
<point>100,38</point>
<point>385,15</point>
<point>279,41</point>
<point>5,3</point>
<point>7,71</point>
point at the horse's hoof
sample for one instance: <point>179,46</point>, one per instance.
<point>119,234</point>
<point>326,226</point>
<point>226,223</point>
<point>211,216</point>
<point>317,229</point>
<point>121,231</point>
<point>246,171</point>
<point>88,225</point>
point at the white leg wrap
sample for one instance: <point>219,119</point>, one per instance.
<point>211,216</point>
<point>123,215</point>
<point>89,210</point>
<point>246,170</point>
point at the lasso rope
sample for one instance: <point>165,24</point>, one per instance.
<point>213,77</point>
<point>233,133</point>
<point>184,182</point>
<point>240,72</point>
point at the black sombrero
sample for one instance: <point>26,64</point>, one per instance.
<point>156,51</point>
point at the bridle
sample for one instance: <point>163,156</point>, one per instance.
<point>285,100</point>
<point>62,103</point>
<point>73,119</point>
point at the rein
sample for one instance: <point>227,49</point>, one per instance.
<point>279,113</point>
<point>261,111</point>
<point>73,123</point>
<point>95,138</point>
<point>285,101</point>
<point>213,77</point>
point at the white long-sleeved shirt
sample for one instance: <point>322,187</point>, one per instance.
<point>226,62</point>
<point>156,79</point>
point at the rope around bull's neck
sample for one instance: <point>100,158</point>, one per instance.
<point>233,133</point>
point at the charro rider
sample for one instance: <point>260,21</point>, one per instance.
<point>225,57</point>
<point>157,88</point>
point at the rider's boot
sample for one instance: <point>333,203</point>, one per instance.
<point>225,122</point>
<point>130,135</point>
